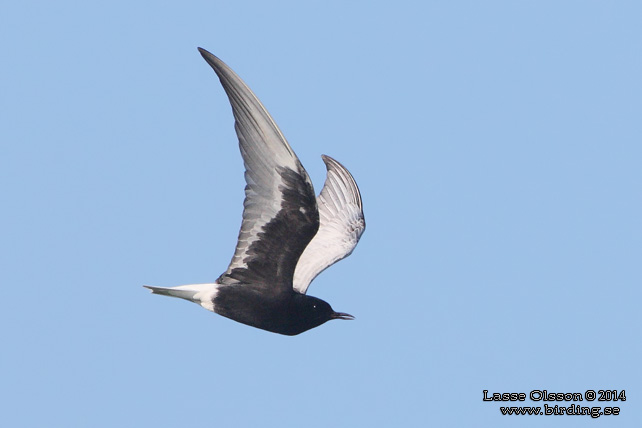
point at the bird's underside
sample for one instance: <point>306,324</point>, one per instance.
<point>288,236</point>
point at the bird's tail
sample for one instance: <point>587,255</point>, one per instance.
<point>181,292</point>
<point>203,294</point>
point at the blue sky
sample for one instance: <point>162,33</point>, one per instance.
<point>497,146</point>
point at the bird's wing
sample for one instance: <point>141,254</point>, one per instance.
<point>280,214</point>
<point>342,224</point>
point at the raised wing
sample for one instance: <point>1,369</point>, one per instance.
<point>280,214</point>
<point>342,224</point>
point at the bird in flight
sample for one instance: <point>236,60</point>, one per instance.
<point>288,236</point>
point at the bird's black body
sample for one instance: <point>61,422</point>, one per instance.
<point>288,313</point>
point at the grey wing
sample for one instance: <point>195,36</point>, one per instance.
<point>341,227</point>
<point>280,214</point>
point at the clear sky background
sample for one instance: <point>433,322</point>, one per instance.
<point>498,149</point>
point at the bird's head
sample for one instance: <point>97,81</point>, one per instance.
<point>312,312</point>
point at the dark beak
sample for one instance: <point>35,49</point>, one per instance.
<point>342,316</point>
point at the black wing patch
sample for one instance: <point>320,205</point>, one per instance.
<point>272,258</point>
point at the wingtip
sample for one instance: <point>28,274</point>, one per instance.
<point>217,65</point>
<point>327,158</point>
<point>342,174</point>
<point>331,162</point>
<point>206,54</point>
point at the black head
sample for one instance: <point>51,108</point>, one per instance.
<point>310,312</point>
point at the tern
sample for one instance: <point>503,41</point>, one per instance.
<point>288,235</point>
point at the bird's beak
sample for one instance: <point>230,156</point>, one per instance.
<point>342,316</point>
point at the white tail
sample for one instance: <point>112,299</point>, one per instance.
<point>203,294</point>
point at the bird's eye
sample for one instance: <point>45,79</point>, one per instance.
<point>314,306</point>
